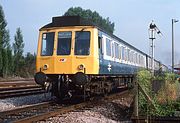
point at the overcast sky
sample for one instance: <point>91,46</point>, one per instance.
<point>131,18</point>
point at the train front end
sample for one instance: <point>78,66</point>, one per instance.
<point>66,56</point>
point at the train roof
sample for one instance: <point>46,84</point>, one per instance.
<point>65,21</point>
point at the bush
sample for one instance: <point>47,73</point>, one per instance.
<point>165,101</point>
<point>144,79</point>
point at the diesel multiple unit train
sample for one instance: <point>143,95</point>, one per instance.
<point>77,57</point>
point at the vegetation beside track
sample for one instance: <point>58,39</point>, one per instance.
<point>164,91</point>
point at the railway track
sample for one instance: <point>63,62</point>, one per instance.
<point>150,119</point>
<point>20,91</point>
<point>16,83</point>
<point>44,111</point>
<point>15,88</point>
<point>16,80</point>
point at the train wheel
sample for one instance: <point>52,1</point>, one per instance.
<point>58,89</point>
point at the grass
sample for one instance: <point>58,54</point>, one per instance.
<point>166,99</point>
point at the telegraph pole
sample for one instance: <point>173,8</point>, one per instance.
<point>173,21</point>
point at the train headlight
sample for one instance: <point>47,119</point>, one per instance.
<point>81,67</point>
<point>45,67</point>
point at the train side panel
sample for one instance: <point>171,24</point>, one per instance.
<point>118,58</point>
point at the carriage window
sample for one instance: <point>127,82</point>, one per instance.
<point>82,43</point>
<point>150,62</point>
<point>113,50</point>
<point>132,56</point>
<point>139,59</point>
<point>142,60</point>
<point>108,47</point>
<point>120,51</point>
<point>64,43</point>
<point>47,44</point>
<point>128,54</point>
<point>116,50</point>
<point>136,58</point>
<point>123,55</point>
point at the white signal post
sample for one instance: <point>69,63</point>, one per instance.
<point>152,31</point>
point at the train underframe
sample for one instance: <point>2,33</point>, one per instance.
<point>80,84</point>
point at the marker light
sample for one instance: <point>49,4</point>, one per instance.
<point>81,67</point>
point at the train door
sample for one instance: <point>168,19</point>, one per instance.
<point>100,46</point>
<point>45,56</point>
<point>100,50</point>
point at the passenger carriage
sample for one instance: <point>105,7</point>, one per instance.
<point>75,56</point>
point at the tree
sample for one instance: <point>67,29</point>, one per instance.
<point>18,47</point>
<point>9,56</point>
<point>2,28</point>
<point>5,48</point>
<point>30,64</point>
<point>10,60</point>
<point>27,68</point>
<point>105,24</point>
<point>17,64</point>
<point>7,67</point>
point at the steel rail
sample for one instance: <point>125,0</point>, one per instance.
<point>52,113</point>
<point>14,84</point>
<point>13,80</point>
<point>5,116</point>
<point>21,92</point>
<point>41,114</point>
<point>32,114</point>
<point>18,88</point>
<point>143,119</point>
